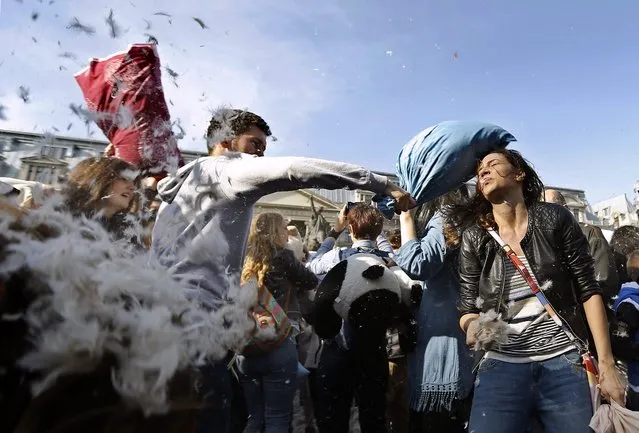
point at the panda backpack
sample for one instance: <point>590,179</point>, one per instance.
<point>363,292</point>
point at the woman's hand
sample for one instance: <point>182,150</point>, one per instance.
<point>611,383</point>
<point>471,331</point>
<point>260,321</point>
<point>403,200</point>
<point>342,219</point>
<point>469,324</point>
<point>264,320</point>
<point>109,150</point>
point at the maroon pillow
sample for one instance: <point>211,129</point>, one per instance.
<point>124,93</point>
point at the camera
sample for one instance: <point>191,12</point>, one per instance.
<point>349,205</point>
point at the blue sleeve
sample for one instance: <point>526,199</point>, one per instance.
<point>383,244</point>
<point>325,247</point>
<point>325,258</point>
<point>422,258</point>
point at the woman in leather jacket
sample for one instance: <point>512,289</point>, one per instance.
<point>530,368</point>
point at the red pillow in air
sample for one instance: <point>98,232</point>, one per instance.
<point>124,93</point>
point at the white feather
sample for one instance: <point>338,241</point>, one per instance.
<point>97,297</point>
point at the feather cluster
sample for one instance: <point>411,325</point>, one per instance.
<point>224,116</point>
<point>491,331</point>
<point>94,299</point>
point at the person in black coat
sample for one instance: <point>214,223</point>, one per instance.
<point>605,268</point>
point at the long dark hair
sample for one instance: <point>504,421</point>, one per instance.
<point>480,211</point>
<point>424,213</point>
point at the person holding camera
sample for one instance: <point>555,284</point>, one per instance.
<point>353,364</point>
<point>365,225</point>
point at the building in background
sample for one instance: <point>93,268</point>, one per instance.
<point>47,159</point>
<point>41,158</point>
<point>636,191</point>
<point>578,204</point>
<point>616,212</point>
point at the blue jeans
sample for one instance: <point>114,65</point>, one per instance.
<point>216,392</point>
<point>269,382</point>
<point>508,396</point>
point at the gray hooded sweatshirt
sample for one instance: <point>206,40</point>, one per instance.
<point>203,223</point>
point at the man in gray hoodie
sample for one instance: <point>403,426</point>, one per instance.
<point>203,223</point>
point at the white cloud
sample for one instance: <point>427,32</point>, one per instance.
<point>245,59</point>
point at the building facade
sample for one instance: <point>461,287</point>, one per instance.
<point>578,204</point>
<point>616,212</point>
<point>43,158</point>
<point>47,159</point>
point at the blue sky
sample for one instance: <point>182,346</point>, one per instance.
<point>354,80</point>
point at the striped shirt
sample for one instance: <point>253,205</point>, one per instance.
<point>533,336</point>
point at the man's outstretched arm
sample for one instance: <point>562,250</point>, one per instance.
<point>253,177</point>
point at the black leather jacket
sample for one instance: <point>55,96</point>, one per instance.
<point>286,278</point>
<point>557,252</point>
<point>605,266</point>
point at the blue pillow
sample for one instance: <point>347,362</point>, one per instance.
<point>443,157</point>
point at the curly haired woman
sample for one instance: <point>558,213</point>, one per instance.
<point>104,188</point>
<point>269,379</point>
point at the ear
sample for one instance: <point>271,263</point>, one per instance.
<point>226,144</point>
<point>520,176</point>
<point>375,272</point>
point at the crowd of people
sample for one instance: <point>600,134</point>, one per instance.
<point>512,293</point>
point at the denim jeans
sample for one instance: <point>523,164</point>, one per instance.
<point>508,396</point>
<point>216,391</point>
<point>343,374</point>
<point>269,382</point>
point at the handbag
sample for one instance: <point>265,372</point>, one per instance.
<point>268,313</point>
<point>588,361</point>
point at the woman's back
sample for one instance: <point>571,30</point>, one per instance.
<point>285,278</point>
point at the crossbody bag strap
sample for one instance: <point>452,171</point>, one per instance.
<point>539,294</point>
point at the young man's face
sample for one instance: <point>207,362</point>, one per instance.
<point>252,142</point>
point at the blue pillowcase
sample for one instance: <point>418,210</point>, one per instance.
<point>443,157</point>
